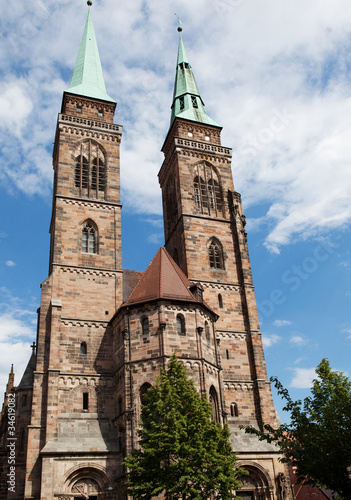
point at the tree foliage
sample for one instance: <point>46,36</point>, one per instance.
<point>317,440</point>
<point>182,452</point>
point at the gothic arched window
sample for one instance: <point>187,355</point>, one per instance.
<point>90,169</point>
<point>98,175</point>
<point>215,254</point>
<point>145,326</point>
<point>82,172</point>
<point>89,238</point>
<point>207,190</point>
<point>143,390</point>
<point>180,324</point>
<point>220,301</point>
<point>214,404</point>
<point>83,348</point>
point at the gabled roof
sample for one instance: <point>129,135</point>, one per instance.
<point>187,102</point>
<point>88,79</point>
<point>28,376</point>
<point>163,279</point>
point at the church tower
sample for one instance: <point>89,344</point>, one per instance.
<point>72,411</point>
<point>105,333</point>
<point>205,234</point>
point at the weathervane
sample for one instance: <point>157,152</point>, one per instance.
<point>180,29</point>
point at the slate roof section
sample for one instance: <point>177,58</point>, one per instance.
<point>28,376</point>
<point>163,279</point>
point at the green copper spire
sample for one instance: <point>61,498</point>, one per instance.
<point>88,79</point>
<point>187,102</point>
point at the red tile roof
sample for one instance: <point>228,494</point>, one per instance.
<point>163,279</point>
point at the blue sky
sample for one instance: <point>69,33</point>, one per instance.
<point>276,76</point>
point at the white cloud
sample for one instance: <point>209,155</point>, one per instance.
<point>156,238</point>
<point>10,263</point>
<point>298,340</point>
<point>281,94</point>
<point>302,378</point>
<point>269,340</point>
<point>15,107</point>
<point>281,322</point>
<point>14,327</point>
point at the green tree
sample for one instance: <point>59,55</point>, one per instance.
<point>183,453</point>
<point>317,441</point>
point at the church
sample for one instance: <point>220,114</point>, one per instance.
<point>104,333</point>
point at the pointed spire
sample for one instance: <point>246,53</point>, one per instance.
<point>88,79</point>
<point>187,102</point>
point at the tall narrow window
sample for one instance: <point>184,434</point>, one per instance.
<point>83,348</point>
<point>181,103</point>
<point>234,410</point>
<point>220,301</point>
<point>98,175</point>
<point>207,191</point>
<point>82,172</point>
<point>180,324</point>
<point>215,254</point>
<point>194,101</point>
<point>145,326</point>
<point>143,391</point>
<point>90,169</point>
<point>85,400</point>
<point>214,404</point>
<point>89,238</point>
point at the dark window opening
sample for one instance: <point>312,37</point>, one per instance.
<point>83,348</point>
<point>181,103</point>
<point>214,404</point>
<point>98,175</point>
<point>215,254</point>
<point>234,410</point>
<point>180,325</point>
<point>143,391</point>
<point>207,191</point>
<point>82,172</point>
<point>24,400</point>
<point>101,112</point>
<point>227,353</point>
<point>220,301</point>
<point>85,400</point>
<point>194,101</point>
<point>79,108</point>
<point>145,326</point>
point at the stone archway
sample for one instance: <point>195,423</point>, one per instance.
<point>86,483</point>
<point>257,485</point>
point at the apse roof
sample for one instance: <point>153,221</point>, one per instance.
<point>163,279</point>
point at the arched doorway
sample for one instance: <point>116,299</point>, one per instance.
<point>86,488</point>
<point>257,485</point>
<point>88,483</point>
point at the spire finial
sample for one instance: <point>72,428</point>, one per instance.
<point>89,3</point>
<point>33,346</point>
<point>179,29</point>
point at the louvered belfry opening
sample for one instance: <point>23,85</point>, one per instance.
<point>90,170</point>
